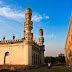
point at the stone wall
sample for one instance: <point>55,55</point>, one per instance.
<point>15,54</point>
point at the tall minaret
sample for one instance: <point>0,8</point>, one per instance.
<point>41,39</point>
<point>28,24</point>
<point>28,36</point>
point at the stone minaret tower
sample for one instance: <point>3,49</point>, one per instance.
<point>28,36</point>
<point>28,25</point>
<point>41,41</point>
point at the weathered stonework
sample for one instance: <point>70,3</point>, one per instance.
<point>23,51</point>
<point>68,45</point>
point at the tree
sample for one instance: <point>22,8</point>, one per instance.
<point>60,59</point>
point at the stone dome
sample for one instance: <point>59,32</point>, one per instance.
<point>3,38</point>
<point>28,11</point>
<point>41,31</point>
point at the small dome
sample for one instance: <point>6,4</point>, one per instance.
<point>3,38</point>
<point>13,37</point>
<point>41,32</point>
<point>28,11</point>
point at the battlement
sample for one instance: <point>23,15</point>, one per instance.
<point>36,45</point>
<point>11,41</point>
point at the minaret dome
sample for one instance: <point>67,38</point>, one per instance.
<point>28,13</point>
<point>41,32</point>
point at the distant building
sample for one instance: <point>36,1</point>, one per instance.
<point>23,51</point>
<point>60,54</point>
<point>68,45</point>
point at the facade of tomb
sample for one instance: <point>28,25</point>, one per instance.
<point>24,51</point>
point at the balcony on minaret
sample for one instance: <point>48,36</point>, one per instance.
<point>28,25</point>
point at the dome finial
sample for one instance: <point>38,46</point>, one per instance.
<point>28,6</point>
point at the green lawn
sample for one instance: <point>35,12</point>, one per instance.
<point>58,68</point>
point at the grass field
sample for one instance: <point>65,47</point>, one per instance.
<point>58,68</point>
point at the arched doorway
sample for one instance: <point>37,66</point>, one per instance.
<point>5,57</point>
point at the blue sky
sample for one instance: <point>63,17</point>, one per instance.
<point>51,15</point>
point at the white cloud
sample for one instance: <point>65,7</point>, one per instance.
<point>11,14</point>
<point>0,2</point>
<point>46,17</point>
<point>19,15</point>
<point>36,17</point>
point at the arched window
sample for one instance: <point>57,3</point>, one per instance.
<point>7,53</point>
